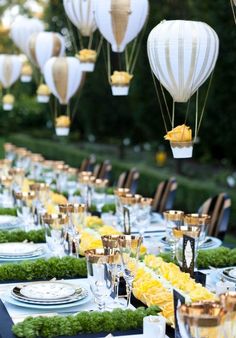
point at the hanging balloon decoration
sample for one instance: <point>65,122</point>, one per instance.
<point>21,30</point>
<point>182,56</point>
<point>10,70</point>
<point>81,14</point>
<point>26,70</point>
<point>63,76</point>
<point>120,22</point>
<point>41,47</point>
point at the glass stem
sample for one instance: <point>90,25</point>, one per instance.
<point>128,291</point>
<point>116,289</point>
<point>101,305</point>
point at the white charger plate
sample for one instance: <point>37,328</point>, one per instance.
<point>8,298</point>
<point>48,290</point>
<point>7,219</point>
<point>18,249</point>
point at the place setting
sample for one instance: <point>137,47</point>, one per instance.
<point>10,252</point>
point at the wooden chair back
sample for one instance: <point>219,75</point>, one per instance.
<point>165,195</point>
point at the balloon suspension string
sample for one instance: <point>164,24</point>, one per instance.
<point>159,101</point>
<point>139,41</point>
<point>232,6</point>
<point>52,112</point>
<point>204,104</point>
<point>99,47</point>
<point>130,58</point>
<point>173,115</point>
<point>80,40</point>
<point>73,114</point>
<point>71,32</point>
<point>186,117</point>
<point>108,63</point>
<point>166,105</point>
<point>90,41</point>
<point>127,66</point>
<point>104,50</point>
<point>196,115</point>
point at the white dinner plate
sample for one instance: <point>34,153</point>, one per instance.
<point>76,297</point>
<point>18,249</point>
<point>9,299</point>
<point>5,219</point>
<point>48,290</point>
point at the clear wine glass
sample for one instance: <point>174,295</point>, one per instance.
<point>99,276</point>
<point>129,247</point>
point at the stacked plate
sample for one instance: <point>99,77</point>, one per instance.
<point>9,222</point>
<point>20,251</point>
<point>230,274</point>
<point>47,295</point>
<point>209,243</point>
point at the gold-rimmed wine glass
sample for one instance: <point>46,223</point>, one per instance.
<point>201,220</point>
<point>99,274</point>
<point>202,320</point>
<point>54,232</point>
<point>129,247</point>
<point>173,219</point>
<point>228,301</point>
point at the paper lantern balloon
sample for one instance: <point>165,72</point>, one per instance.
<point>43,46</point>
<point>81,14</point>
<point>182,55</point>
<point>21,30</point>
<point>63,76</point>
<point>10,69</point>
<point>120,21</point>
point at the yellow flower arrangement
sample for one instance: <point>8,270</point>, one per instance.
<point>43,90</point>
<point>63,121</point>
<point>8,99</point>
<point>121,78</point>
<point>87,55</point>
<point>181,133</point>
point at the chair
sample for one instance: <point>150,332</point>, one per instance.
<point>88,164</point>
<point>129,179</point>
<point>165,195</point>
<point>103,170</point>
<point>218,208</point>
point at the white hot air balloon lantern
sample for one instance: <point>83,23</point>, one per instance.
<point>120,22</point>
<point>21,30</point>
<point>81,14</point>
<point>10,70</point>
<point>182,55</point>
<point>63,76</point>
<point>41,47</point>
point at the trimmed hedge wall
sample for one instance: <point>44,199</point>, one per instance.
<point>190,194</point>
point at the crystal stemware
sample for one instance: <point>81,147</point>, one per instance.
<point>111,245</point>
<point>173,219</point>
<point>202,220</point>
<point>202,320</point>
<point>99,275</point>
<point>54,233</point>
<point>129,247</point>
<point>228,301</point>
<point>143,215</point>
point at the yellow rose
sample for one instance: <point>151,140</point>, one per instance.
<point>121,78</point>
<point>179,134</point>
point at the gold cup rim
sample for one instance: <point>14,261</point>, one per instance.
<point>100,256</point>
<point>39,187</point>
<point>146,201</point>
<point>197,219</point>
<point>130,240</point>
<point>130,199</point>
<point>173,215</point>
<point>228,300</point>
<point>203,314</point>
<point>110,241</point>
<point>101,183</point>
<point>30,195</point>
<point>191,231</point>
<point>121,191</point>
<point>16,172</point>
<point>55,219</point>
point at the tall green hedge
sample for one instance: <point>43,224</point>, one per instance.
<point>190,194</point>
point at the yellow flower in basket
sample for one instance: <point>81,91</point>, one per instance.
<point>179,134</point>
<point>62,121</point>
<point>121,78</point>
<point>87,55</point>
<point>93,220</point>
